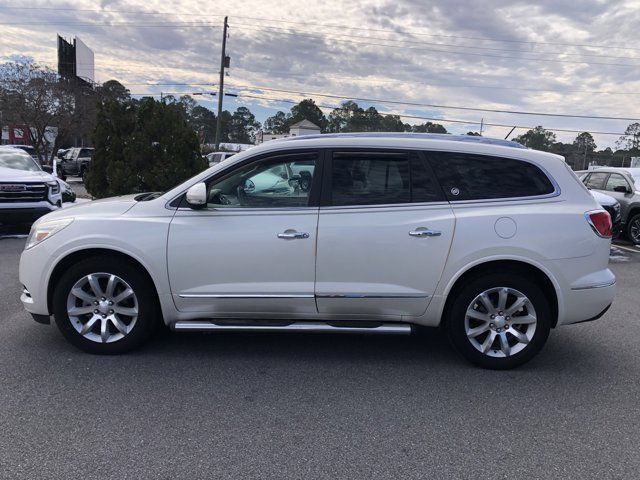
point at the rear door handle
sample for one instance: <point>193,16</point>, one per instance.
<point>425,232</point>
<point>292,234</point>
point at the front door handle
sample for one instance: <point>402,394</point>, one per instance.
<point>425,232</point>
<point>292,234</point>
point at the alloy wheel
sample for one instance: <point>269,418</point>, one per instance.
<point>102,307</point>
<point>634,231</point>
<point>500,322</point>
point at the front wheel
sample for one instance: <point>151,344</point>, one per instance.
<point>499,321</point>
<point>633,229</point>
<point>105,306</point>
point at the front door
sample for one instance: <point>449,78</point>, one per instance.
<point>252,249</point>
<point>384,233</point>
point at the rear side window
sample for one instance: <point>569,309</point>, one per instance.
<point>596,180</point>
<point>480,177</point>
<point>378,178</point>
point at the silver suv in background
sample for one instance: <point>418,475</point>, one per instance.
<point>623,184</point>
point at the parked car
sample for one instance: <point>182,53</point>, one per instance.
<point>76,161</point>
<point>612,206</point>
<point>624,185</point>
<point>26,191</point>
<point>495,243</point>
<point>216,157</point>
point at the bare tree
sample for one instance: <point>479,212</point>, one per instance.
<point>34,96</point>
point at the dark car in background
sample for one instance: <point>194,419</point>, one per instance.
<point>76,161</point>
<point>623,184</point>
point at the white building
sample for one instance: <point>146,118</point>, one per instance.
<point>304,127</point>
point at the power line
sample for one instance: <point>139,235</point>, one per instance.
<point>444,107</point>
<point>445,120</point>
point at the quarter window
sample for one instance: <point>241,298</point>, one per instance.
<point>379,178</point>
<point>479,177</point>
<point>596,180</point>
<point>276,182</point>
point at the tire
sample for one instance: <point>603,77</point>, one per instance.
<point>633,229</point>
<point>124,331</point>
<point>510,326</point>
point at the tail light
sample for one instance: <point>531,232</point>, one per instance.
<point>600,222</point>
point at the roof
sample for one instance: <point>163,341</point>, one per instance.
<point>305,124</point>
<point>632,171</point>
<point>413,136</point>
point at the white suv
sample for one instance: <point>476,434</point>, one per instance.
<point>496,243</point>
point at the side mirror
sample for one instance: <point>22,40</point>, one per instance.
<point>197,196</point>
<point>47,168</point>
<point>621,189</point>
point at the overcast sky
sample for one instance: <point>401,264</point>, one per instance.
<point>549,56</point>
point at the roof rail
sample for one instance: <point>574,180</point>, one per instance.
<point>417,136</point>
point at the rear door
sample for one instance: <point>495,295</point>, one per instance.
<point>384,232</point>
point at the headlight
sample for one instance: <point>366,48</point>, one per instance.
<point>42,231</point>
<point>54,186</point>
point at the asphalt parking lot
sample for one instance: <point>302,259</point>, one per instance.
<point>305,406</point>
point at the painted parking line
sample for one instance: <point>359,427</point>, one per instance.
<point>628,249</point>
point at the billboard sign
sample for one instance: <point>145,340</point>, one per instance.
<point>84,61</point>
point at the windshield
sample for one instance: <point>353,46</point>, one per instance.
<point>18,160</point>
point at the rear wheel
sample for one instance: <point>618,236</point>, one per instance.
<point>633,229</point>
<point>499,321</point>
<point>105,306</point>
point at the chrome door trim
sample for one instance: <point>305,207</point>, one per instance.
<point>311,327</point>
<point>243,295</point>
<point>364,295</point>
<point>599,285</point>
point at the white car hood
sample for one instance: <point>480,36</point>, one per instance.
<point>106,207</point>
<point>13,175</point>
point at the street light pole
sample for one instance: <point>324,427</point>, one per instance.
<point>221,86</point>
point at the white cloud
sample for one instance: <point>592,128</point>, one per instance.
<point>455,68</point>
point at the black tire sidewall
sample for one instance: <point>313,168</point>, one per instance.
<point>635,218</point>
<point>139,282</point>
<point>457,310</point>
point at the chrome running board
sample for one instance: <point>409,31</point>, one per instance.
<point>312,327</point>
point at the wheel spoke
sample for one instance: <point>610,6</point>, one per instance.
<point>104,332</point>
<point>86,328</point>
<point>517,305</point>
<point>128,311</point>
<point>523,320</point>
<point>521,337</point>
<point>486,301</point>
<point>504,344</point>
<point>486,345</point>
<point>502,299</point>
<point>123,296</point>
<point>111,285</point>
<point>476,315</point>
<point>119,324</point>
<point>474,332</point>
<point>75,311</point>
<point>82,295</point>
<point>95,286</point>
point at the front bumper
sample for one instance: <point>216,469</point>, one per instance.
<point>24,213</point>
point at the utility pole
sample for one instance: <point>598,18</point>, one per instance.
<point>224,62</point>
<point>481,125</point>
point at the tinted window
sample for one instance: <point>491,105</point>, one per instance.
<point>267,183</point>
<point>377,178</point>
<point>596,180</point>
<point>616,180</point>
<point>476,177</point>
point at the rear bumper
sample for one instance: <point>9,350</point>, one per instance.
<point>589,302</point>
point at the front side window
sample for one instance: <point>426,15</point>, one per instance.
<point>274,182</point>
<point>466,176</point>
<point>616,180</point>
<point>596,180</point>
<point>379,178</point>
